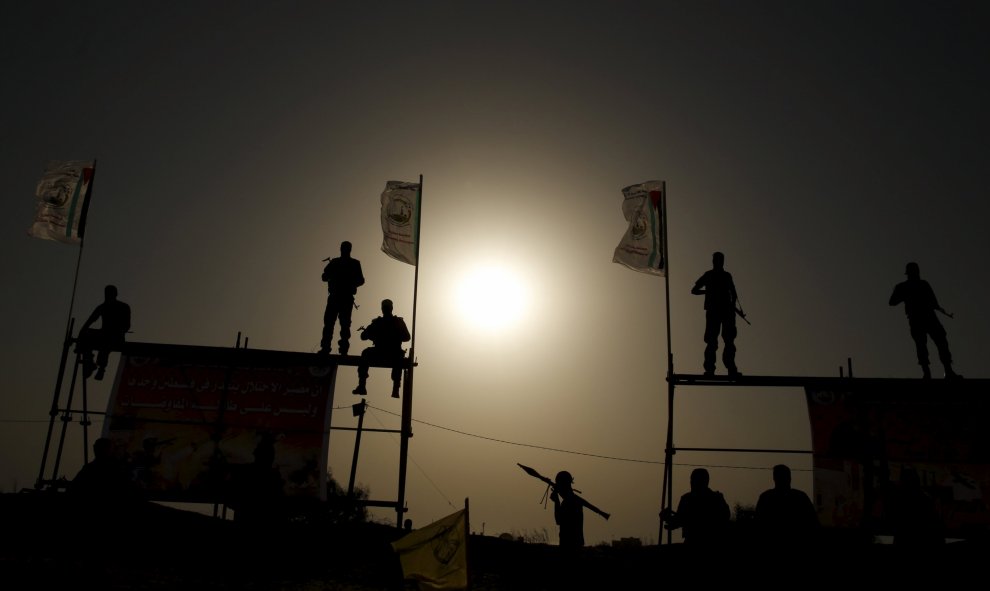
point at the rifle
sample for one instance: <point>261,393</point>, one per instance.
<point>740,312</point>
<point>949,314</point>
<point>551,484</point>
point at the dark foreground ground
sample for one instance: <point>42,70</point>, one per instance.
<point>51,543</point>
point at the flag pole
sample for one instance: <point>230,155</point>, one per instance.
<point>419,216</point>
<point>407,389</point>
<point>666,493</point>
<point>66,341</point>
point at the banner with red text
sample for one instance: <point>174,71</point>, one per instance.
<point>190,419</point>
<point>865,437</point>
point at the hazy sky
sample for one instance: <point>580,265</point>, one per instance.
<point>819,145</point>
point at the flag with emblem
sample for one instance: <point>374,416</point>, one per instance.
<point>436,555</point>
<point>400,221</point>
<point>642,246</point>
<point>63,199</point>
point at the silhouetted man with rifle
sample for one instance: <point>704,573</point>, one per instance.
<point>568,508</point>
<point>343,277</point>
<point>721,308</point>
<point>920,305</point>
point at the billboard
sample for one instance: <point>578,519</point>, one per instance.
<point>867,440</point>
<point>208,424</point>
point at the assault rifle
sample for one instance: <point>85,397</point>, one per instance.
<point>551,484</point>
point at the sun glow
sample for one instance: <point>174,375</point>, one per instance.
<point>492,299</point>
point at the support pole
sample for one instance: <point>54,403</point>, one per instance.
<point>359,411</point>
<point>406,429</point>
<point>66,342</point>
<point>666,493</point>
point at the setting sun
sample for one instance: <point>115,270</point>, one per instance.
<point>492,298</point>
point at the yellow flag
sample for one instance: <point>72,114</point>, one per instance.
<point>436,555</point>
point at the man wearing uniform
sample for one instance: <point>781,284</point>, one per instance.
<point>720,314</point>
<point>387,332</point>
<point>920,305</point>
<point>343,276</point>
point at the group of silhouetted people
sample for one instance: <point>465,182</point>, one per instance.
<point>722,307</point>
<point>783,516</point>
<point>343,276</point>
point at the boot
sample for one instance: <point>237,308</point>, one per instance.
<point>950,374</point>
<point>926,373</point>
<point>395,389</point>
<point>88,366</point>
<point>361,389</point>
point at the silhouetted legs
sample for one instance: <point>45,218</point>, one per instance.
<point>919,332</point>
<point>90,340</point>
<point>725,324</point>
<point>338,308</point>
<point>376,355</point>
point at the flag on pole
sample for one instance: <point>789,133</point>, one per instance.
<point>436,555</point>
<point>63,194</point>
<point>400,220</point>
<point>642,246</point>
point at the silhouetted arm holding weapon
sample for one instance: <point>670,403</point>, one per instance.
<point>552,485</point>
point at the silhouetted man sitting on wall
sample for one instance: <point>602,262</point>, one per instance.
<point>387,332</point>
<point>786,515</point>
<point>702,513</point>
<point>720,314</point>
<point>115,317</point>
<point>920,305</point>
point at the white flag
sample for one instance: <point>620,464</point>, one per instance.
<point>400,221</point>
<point>63,194</point>
<point>436,555</point>
<point>642,246</point>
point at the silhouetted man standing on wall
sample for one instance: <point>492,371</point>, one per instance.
<point>920,305</point>
<point>343,277</point>
<point>115,321</point>
<point>387,332</point>
<point>720,314</point>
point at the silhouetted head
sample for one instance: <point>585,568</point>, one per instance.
<point>563,480</point>
<point>345,248</point>
<point>718,260</point>
<point>264,452</point>
<point>110,293</point>
<point>699,479</point>
<point>387,307</point>
<point>782,476</point>
<point>912,271</point>
<point>103,448</point>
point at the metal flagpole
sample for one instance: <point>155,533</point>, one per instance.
<point>668,472</point>
<point>67,341</point>
<point>407,384</point>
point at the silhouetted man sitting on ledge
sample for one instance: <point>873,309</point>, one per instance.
<point>387,332</point>
<point>115,318</point>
